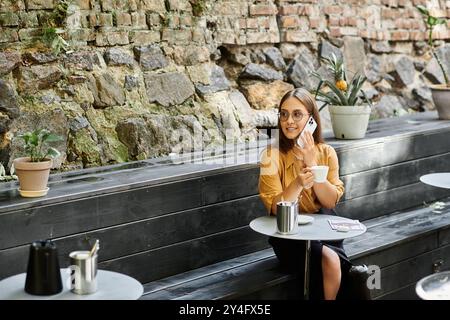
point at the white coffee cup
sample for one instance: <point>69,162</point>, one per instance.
<point>320,173</point>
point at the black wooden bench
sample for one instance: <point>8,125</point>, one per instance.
<point>171,225</point>
<point>406,238</point>
<point>406,246</point>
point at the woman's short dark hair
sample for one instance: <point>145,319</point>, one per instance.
<point>310,104</point>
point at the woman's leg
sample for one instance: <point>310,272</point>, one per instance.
<point>331,271</point>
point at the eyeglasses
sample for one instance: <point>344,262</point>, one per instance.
<point>297,115</point>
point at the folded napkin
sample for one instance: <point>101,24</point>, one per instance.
<point>345,224</point>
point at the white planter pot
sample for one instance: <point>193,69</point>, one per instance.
<point>349,122</point>
<point>441,99</point>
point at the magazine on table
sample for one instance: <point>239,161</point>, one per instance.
<point>349,225</point>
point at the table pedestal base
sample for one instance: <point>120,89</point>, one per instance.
<point>306,279</point>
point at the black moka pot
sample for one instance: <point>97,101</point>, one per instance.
<point>43,274</point>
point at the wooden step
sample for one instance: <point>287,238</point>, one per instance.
<point>404,246</point>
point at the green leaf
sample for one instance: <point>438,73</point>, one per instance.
<point>328,98</point>
<point>318,88</point>
<point>52,152</point>
<point>367,99</point>
<point>34,140</point>
<point>357,83</point>
<point>323,106</point>
<point>440,21</point>
<point>50,137</point>
<point>423,10</point>
<point>431,21</point>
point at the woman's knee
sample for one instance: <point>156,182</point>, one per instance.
<point>330,261</point>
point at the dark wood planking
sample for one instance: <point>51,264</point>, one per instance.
<point>163,262</point>
<point>208,270</point>
<point>22,227</point>
<point>398,199</point>
<point>147,234</point>
<point>396,252</point>
<point>422,225</point>
<point>411,270</point>
<point>392,150</point>
<point>14,261</point>
<point>417,235</point>
<point>217,188</point>
<point>229,284</point>
<point>116,208</point>
<point>405,293</point>
<point>444,236</point>
<point>288,290</point>
<point>392,176</point>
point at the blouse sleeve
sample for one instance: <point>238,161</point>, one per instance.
<point>269,185</point>
<point>333,173</point>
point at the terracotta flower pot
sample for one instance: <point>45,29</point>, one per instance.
<point>33,176</point>
<point>349,122</point>
<point>441,99</point>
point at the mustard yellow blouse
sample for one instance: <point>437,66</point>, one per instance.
<point>278,170</point>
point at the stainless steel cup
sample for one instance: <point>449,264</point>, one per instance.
<point>287,217</point>
<point>83,272</point>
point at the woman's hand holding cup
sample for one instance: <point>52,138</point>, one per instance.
<point>306,178</point>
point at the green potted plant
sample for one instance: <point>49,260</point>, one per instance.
<point>440,92</point>
<point>34,169</point>
<point>349,115</point>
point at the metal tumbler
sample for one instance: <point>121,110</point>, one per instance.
<point>287,217</point>
<point>83,272</point>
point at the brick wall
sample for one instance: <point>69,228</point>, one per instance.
<point>113,22</point>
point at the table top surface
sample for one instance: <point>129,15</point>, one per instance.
<point>434,287</point>
<point>439,179</point>
<point>111,286</point>
<point>319,229</point>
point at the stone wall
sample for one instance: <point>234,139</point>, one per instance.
<point>142,78</point>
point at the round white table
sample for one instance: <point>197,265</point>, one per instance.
<point>318,229</point>
<point>440,179</point>
<point>434,287</point>
<point>111,286</point>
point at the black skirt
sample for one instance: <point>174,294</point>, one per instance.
<point>291,254</point>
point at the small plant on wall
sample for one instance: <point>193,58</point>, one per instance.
<point>53,27</point>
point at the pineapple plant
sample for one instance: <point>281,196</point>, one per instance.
<point>340,92</point>
<point>349,116</point>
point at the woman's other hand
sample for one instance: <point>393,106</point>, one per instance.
<point>308,151</point>
<point>306,178</point>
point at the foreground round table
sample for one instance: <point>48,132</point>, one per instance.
<point>440,179</point>
<point>111,286</point>
<point>434,287</point>
<point>319,229</point>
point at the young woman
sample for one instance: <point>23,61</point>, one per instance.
<point>286,175</point>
